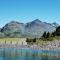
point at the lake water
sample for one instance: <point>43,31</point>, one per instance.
<point>28,54</point>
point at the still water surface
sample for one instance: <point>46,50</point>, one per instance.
<point>28,54</point>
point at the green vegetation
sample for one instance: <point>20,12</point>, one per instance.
<point>31,41</point>
<point>39,41</point>
<point>49,36</point>
<point>9,39</point>
<point>46,37</point>
<point>58,31</point>
<point>12,40</point>
<point>53,34</point>
<point>56,38</point>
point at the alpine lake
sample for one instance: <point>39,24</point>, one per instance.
<point>28,54</point>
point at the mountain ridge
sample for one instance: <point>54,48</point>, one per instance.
<point>31,29</point>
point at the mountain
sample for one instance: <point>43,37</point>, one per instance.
<point>55,24</point>
<point>37,28</point>
<point>13,28</point>
<point>31,29</point>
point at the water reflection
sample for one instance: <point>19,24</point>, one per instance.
<point>28,54</point>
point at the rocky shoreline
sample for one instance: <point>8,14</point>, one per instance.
<point>51,45</point>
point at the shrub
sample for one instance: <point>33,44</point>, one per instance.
<point>58,31</point>
<point>44,35</point>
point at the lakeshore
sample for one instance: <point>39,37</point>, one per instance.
<point>20,43</point>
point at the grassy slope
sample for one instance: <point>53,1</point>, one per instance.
<point>40,42</point>
<point>7,40</point>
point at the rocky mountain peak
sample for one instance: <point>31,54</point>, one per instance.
<point>55,24</point>
<point>37,20</point>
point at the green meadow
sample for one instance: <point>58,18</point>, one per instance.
<point>12,40</point>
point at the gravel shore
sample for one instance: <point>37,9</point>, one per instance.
<point>51,45</point>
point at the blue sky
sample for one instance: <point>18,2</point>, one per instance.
<point>28,10</point>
